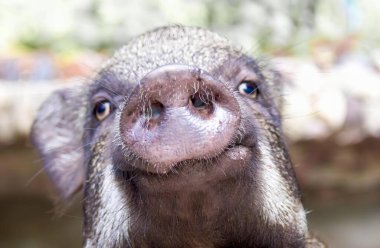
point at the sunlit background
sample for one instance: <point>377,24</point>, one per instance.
<point>328,52</point>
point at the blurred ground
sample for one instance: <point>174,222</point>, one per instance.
<point>327,51</point>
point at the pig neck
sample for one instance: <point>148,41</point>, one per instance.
<point>196,201</point>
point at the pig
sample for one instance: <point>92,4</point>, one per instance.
<point>175,142</point>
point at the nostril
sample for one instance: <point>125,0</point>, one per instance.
<point>202,104</point>
<point>154,110</point>
<point>199,102</point>
<point>157,110</point>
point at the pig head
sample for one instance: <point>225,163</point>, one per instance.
<point>176,142</point>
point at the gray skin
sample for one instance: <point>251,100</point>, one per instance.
<point>184,157</point>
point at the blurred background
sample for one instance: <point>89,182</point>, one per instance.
<point>327,50</point>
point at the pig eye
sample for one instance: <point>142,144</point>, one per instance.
<point>102,110</point>
<point>248,88</point>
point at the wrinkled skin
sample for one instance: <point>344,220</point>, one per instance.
<point>184,158</point>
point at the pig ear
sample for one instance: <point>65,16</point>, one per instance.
<point>57,133</point>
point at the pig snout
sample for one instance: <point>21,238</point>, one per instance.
<point>178,113</point>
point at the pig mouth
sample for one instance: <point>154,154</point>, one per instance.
<point>189,175</point>
<point>237,151</point>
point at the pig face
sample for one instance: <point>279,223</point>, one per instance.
<point>177,141</point>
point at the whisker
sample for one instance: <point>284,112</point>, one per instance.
<point>32,178</point>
